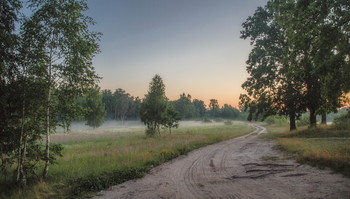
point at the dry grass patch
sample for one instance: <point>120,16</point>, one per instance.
<point>321,147</point>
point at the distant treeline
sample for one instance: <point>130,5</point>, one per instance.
<point>120,105</point>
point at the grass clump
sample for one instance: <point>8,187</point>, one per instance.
<point>87,185</point>
<point>32,190</point>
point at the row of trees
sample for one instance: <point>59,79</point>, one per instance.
<point>45,65</point>
<point>120,105</point>
<point>191,109</point>
<point>96,106</point>
<point>300,59</point>
<point>155,110</point>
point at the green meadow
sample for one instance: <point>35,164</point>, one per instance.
<point>89,165</point>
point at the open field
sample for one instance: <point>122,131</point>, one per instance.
<point>321,147</point>
<point>92,163</point>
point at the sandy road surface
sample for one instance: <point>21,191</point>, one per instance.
<point>234,169</point>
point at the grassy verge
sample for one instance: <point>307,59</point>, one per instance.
<point>321,147</point>
<point>92,165</point>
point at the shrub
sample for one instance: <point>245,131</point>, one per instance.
<point>150,131</point>
<point>342,122</point>
<point>218,120</point>
<point>228,122</point>
<point>275,119</point>
<point>303,120</point>
<point>206,120</point>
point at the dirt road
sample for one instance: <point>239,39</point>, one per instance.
<point>245,167</point>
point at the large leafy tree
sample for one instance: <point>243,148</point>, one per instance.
<point>317,45</point>
<point>154,106</point>
<point>297,59</point>
<point>172,118</point>
<point>109,102</point>
<point>228,112</point>
<point>19,104</point>
<point>134,108</point>
<point>121,105</point>
<point>69,108</point>
<point>122,101</point>
<point>155,109</point>
<point>185,107</point>
<point>273,87</point>
<point>214,108</point>
<point>94,107</point>
<point>61,47</point>
<point>9,109</point>
<point>199,107</point>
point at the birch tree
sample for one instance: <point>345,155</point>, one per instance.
<point>8,71</point>
<point>63,47</point>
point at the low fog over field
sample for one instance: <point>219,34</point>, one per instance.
<point>80,131</point>
<point>121,126</point>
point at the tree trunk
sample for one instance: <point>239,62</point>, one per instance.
<point>115,114</point>
<point>312,118</point>
<point>324,119</point>
<point>18,175</point>
<point>47,129</point>
<point>292,125</point>
<point>21,178</point>
<point>47,121</point>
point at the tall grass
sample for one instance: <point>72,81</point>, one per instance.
<point>321,147</point>
<point>94,164</point>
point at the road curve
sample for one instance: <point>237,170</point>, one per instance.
<point>244,167</point>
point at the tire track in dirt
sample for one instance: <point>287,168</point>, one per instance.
<point>234,169</point>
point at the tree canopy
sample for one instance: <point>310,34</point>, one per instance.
<point>45,65</point>
<point>297,58</point>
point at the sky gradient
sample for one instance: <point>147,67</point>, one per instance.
<point>194,45</point>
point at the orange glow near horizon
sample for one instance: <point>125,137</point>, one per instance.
<point>230,97</point>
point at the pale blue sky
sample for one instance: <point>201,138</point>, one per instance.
<point>193,45</point>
